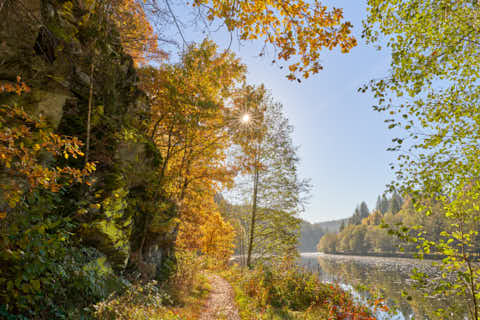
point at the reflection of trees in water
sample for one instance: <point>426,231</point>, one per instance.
<point>391,280</point>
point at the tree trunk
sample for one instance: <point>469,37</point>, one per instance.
<point>254,213</point>
<point>89,116</point>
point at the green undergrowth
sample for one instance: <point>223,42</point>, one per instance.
<point>285,292</point>
<point>182,297</point>
<point>151,301</point>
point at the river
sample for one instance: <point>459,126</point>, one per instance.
<point>389,275</point>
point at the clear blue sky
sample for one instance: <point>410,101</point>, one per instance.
<point>342,140</point>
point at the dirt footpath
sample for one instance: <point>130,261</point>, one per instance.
<point>221,303</point>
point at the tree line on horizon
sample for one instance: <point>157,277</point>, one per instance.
<point>361,233</point>
<point>311,233</point>
<point>366,232</point>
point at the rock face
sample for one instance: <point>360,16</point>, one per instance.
<point>52,45</point>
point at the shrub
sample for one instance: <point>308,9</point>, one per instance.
<point>284,286</point>
<point>138,302</point>
<point>275,291</point>
<point>188,268</point>
<point>44,275</point>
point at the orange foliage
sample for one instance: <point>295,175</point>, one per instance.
<point>189,129</point>
<point>18,88</point>
<point>374,218</point>
<point>294,28</point>
<point>26,144</point>
<point>136,33</point>
<point>298,30</point>
<point>204,229</point>
<point>345,308</point>
<point>188,118</point>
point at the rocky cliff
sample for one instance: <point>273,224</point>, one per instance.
<point>72,59</point>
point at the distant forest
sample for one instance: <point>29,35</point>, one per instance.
<point>367,232</point>
<point>362,232</point>
<point>311,233</point>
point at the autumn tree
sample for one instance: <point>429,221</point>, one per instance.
<point>204,229</point>
<point>432,95</point>
<point>136,32</point>
<point>374,218</point>
<point>297,31</point>
<point>35,170</point>
<point>189,126</point>
<point>125,17</point>
<point>328,243</point>
<point>269,164</point>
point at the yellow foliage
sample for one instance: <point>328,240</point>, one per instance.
<point>294,28</point>
<point>374,218</point>
<point>189,127</point>
<point>136,32</point>
<point>203,229</point>
<point>24,142</point>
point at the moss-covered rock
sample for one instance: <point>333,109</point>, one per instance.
<point>111,233</point>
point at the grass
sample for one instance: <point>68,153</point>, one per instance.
<point>191,302</point>
<point>249,308</point>
<point>148,301</point>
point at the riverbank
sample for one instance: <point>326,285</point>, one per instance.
<point>383,255</point>
<point>391,279</point>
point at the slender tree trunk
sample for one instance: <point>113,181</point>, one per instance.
<point>471,283</point>
<point>142,240</point>
<point>89,116</point>
<point>167,156</point>
<point>254,213</point>
<point>241,245</point>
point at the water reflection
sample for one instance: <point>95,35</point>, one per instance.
<point>389,275</point>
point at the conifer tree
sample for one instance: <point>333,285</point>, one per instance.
<point>395,203</point>
<point>364,212</point>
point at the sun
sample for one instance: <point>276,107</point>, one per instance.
<point>245,118</point>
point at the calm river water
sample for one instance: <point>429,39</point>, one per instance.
<point>391,276</point>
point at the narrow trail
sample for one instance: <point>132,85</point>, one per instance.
<point>220,304</point>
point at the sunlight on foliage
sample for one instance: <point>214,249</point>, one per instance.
<point>297,30</point>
